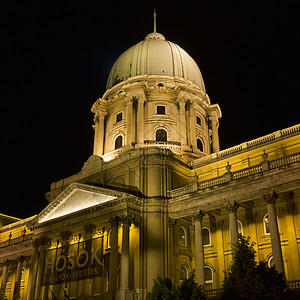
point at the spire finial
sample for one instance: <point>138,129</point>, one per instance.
<point>154,17</point>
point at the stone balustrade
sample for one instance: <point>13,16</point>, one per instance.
<point>272,164</point>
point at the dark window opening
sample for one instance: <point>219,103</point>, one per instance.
<point>205,236</point>
<point>200,145</point>
<point>119,142</point>
<point>198,120</point>
<point>160,110</point>
<point>119,117</point>
<point>161,135</point>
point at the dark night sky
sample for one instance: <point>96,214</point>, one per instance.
<point>57,57</point>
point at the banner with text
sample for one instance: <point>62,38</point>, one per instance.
<point>74,262</point>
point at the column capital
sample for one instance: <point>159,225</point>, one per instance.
<point>114,221</point>
<point>89,228</point>
<point>45,241</point>
<point>172,222</point>
<point>21,258</point>
<point>198,216</point>
<point>35,243</point>
<point>270,197</point>
<point>65,235</point>
<point>5,262</point>
<point>231,206</point>
<point>126,218</point>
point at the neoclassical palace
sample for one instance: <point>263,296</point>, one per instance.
<point>157,197</point>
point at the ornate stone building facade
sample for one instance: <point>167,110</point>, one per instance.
<point>157,197</point>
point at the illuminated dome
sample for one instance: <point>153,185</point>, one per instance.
<point>155,56</point>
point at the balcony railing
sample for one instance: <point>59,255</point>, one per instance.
<point>272,164</point>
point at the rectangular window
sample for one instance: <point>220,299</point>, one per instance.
<point>160,110</point>
<point>119,117</point>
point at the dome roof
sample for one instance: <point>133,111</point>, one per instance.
<point>155,56</point>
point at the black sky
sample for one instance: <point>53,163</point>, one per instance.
<point>57,57</point>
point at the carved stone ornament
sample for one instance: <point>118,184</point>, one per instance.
<point>89,228</point>
<point>231,206</point>
<point>65,235</point>
<point>45,241</point>
<point>114,221</point>
<point>5,262</point>
<point>270,197</point>
<point>92,165</point>
<point>172,222</point>
<point>35,243</point>
<point>21,258</point>
<point>126,217</point>
<point>198,216</point>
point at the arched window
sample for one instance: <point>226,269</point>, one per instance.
<point>119,142</point>
<point>200,145</point>
<point>266,224</point>
<point>181,236</point>
<point>161,135</point>
<point>183,273</point>
<point>208,277</point>
<point>206,236</point>
<point>240,229</point>
<point>271,261</point>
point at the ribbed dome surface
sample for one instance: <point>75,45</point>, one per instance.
<point>155,56</point>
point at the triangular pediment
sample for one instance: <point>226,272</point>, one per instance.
<point>76,197</point>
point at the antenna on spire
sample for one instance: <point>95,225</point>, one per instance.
<point>154,17</point>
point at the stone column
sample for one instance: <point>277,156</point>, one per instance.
<point>199,252</point>
<point>215,134</point>
<point>20,261</point>
<point>89,230</point>
<point>129,122</point>
<point>5,263</point>
<point>270,199</point>
<point>232,207</point>
<point>113,260</point>
<point>192,121</point>
<point>124,280</point>
<point>44,244</point>
<point>182,122</point>
<point>33,269</point>
<point>140,120</point>
<point>99,133</point>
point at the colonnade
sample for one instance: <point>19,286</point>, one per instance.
<point>135,116</point>
<point>231,207</point>
<point>35,288</point>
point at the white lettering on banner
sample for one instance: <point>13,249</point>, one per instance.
<point>58,262</point>
<point>73,263</point>
<point>79,258</point>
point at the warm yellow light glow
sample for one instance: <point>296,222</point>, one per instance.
<point>77,200</point>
